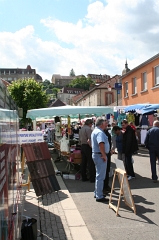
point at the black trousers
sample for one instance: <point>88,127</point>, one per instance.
<point>106,181</point>
<point>87,161</point>
<point>128,165</point>
<point>154,153</point>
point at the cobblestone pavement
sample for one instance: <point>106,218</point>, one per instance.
<point>51,219</point>
<point>53,223</point>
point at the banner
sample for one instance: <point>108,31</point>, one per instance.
<point>22,137</point>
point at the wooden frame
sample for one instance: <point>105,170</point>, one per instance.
<point>124,190</point>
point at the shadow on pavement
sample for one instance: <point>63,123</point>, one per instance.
<point>49,224</point>
<point>141,210</point>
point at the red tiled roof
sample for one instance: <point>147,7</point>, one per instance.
<point>57,103</point>
<point>5,82</point>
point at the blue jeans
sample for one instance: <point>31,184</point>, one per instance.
<point>101,167</point>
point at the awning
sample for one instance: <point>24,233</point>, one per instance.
<point>6,114</point>
<point>150,109</point>
<point>68,111</point>
<point>136,107</point>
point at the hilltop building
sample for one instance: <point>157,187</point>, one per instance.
<point>13,74</point>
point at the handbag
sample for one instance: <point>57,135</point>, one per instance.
<point>29,229</point>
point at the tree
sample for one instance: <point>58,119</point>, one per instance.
<point>81,82</point>
<point>45,84</point>
<point>27,94</point>
<point>72,73</point>
<point>55,91</point>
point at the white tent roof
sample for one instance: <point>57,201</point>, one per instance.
<point>65,111</point>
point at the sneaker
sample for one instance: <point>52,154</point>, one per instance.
<point>130,177</point>
<point>102,200</point>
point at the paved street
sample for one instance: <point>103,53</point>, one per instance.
<point>102,221</point>
<point>73,213</point>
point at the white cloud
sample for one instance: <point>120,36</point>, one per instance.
<point>109,33</point>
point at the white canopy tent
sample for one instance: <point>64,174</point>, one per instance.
<point>68,111</point>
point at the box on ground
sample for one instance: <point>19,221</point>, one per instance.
<point>65,176</point>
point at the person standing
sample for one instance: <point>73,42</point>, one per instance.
<point>100,149</point>
<point>86,152</point>
<point>152,144</point>
<point>129,146</point>
<point>107,188</point>
<point>119,142</point>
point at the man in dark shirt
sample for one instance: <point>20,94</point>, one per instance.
<point>152,143</point>
<point>129,146</point>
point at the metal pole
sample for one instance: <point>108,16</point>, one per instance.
<point>117,97</point>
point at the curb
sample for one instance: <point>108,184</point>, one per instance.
<point>74,219</point>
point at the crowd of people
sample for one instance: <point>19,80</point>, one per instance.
<point>98,140</point>
<point>98,145</point>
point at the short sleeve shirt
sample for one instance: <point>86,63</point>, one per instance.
<point>85,134</point>
<point>97,137</point>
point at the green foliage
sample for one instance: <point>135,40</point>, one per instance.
<point>81,82</point>
<point>72,73</point>
<point>55,91</point>
<point>28,94</point>
<point>46,82</point>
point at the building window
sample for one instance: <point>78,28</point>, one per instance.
<point>134,86</point>
<point>126,89</point>
<point>109,98</point>
<point>144,81</point>
<point>157,75</point>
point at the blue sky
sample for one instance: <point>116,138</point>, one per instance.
<point>16,14</point>
<point>89,36</point>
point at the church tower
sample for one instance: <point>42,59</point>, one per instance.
<point>126,69</point>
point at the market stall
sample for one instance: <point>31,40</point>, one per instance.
<point>64,146</point>
<point>143,116</point>
<point>72,111</point>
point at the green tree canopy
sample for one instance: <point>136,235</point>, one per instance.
<point>72,73</point>
<point>81,82</point>
<point>55,91</point>
<point>28,94</point>
<point>46,82</point>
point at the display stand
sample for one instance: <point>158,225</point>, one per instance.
<point>124,190</point>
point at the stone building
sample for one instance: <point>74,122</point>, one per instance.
<point>12,74</point>
<point>59,80</point>
<point>102,95</point>
<point>66,94</point>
